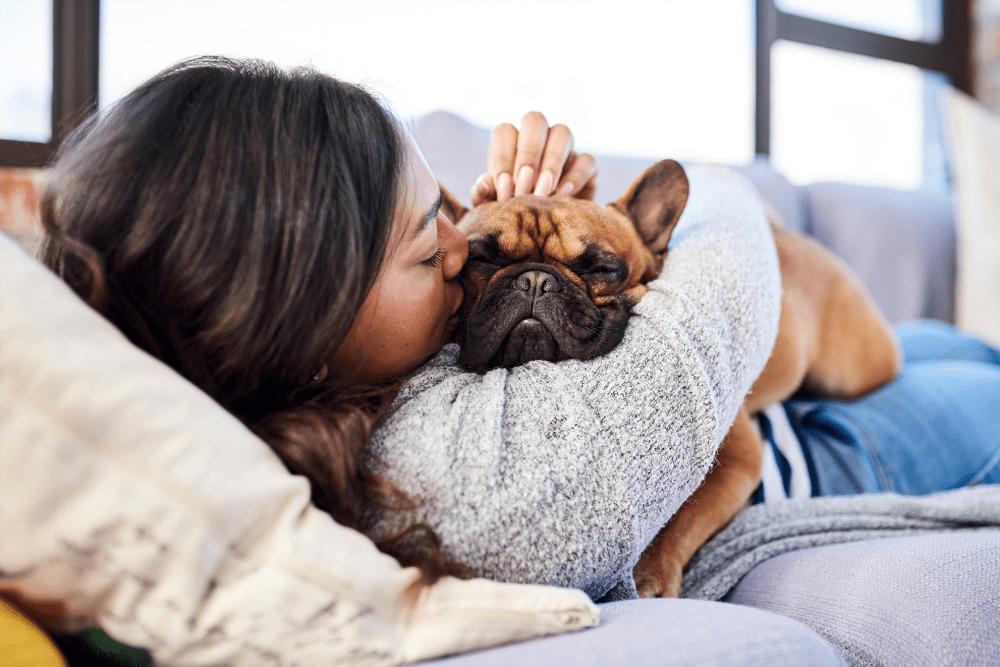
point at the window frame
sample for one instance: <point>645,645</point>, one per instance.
<point>950,55</point>
<point>75,45</point>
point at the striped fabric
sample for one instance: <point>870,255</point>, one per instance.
<point>785,474</point>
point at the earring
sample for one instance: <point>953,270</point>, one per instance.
<point>320,374</point>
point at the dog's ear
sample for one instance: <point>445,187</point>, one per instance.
<point>655,202</point>
<point>451,207</point>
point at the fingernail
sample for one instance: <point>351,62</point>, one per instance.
<point>566,189</point>
<point>545,182</point>
<point>524,179</point>
<point>483,187</point>
<point>503,187</point>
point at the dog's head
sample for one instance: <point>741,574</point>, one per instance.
<point>556,278</point>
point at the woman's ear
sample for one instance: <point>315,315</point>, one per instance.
<point>655,202</point>
<point>451,207</point>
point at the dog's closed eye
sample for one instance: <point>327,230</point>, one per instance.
<point>613,272</point>
<point>595,264</point>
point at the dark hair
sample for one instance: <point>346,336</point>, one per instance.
<point>230,217</point>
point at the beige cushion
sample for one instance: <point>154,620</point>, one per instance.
<point>974,141</point>
<point>153,513</point>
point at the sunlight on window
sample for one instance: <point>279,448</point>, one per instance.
<point>26,71</point>
<point>842,117</point>
<point>643,78</point>
<point>639,78</point>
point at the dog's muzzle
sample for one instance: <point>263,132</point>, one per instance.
<point>536,313</point>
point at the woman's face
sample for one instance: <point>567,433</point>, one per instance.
<point>412,308</point>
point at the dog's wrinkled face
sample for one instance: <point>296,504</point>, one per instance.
<point>556,278</point>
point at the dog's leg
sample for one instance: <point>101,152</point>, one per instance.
<point>724,492</point>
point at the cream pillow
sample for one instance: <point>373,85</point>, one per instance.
<point>154,514</point>
<point>974,141</point>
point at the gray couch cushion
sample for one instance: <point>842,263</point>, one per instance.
<point>789,201</point>
<point>667,633</point>
<point>908,601</point>
<point>901,244</point>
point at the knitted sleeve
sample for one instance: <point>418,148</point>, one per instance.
<point>561,473</point>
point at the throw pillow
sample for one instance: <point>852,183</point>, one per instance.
<point>151,512</point>
<point>974,142</point>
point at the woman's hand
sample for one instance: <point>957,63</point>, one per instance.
<point>538,160</point>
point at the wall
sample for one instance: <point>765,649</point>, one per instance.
<point>19,205</point>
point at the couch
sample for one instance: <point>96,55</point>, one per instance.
<point>926,600</point>
<point>867,599</point>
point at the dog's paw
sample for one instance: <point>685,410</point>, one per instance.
<point>661,581</point>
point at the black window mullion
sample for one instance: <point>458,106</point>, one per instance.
<point>766,29</point>
<point>74,90</point>
<point>809,31</point>
<point>956,29</point>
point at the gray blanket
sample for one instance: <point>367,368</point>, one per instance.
<point>763,531</point>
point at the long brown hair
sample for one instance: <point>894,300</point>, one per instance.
<point>230,217</point>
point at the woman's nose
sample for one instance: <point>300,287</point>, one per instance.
<point>456,247</point>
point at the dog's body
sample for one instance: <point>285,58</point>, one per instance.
<point>556,278</point>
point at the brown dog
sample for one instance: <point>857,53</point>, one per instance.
<point>556,278</point>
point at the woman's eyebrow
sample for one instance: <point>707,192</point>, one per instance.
<point>431,215</point>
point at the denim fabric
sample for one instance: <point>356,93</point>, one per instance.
<point>935,428</point>
<point>668,633</point>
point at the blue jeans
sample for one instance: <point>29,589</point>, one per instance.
<point>936,427</point>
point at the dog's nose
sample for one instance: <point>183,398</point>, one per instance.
<point>536,282</point>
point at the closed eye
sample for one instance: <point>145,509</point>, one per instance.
<point>434,260</point>
<point>614,272</point>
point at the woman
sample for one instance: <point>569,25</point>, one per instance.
<point>276,239</point>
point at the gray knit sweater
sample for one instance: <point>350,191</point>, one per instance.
<point>561,473</point>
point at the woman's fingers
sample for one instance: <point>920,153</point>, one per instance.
<point>483,190</point>
<point>503,148</point>
<point>579,177</point>
<point>558,147</point>
<point>534,159</point>
<point>530,146</point>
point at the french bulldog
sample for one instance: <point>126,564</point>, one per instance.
<point>556,278</point>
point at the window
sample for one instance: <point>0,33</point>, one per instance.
<point>844,117</point>
<point>637,77</point>
<point>645,78</point>
<point>855,99</point>
<point>26,90</point>
<point>48,75</point>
